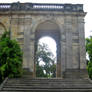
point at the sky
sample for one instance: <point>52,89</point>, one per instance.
<point>50,42</point>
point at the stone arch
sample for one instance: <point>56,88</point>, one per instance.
<point>46,27</point>
<point>2,28</point>
<point>50,28</point>
<point>42,20</point>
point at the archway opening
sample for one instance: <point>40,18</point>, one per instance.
<point>46,57</point>
<point>51,29</point>
<point>2,29</point>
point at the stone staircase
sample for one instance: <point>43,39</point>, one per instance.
<point>28,84</point>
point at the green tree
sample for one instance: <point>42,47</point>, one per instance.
<point>45,56</point>
<point>89,52</point>
<point>10,57</point>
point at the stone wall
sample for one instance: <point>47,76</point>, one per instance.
<point>70,27</point>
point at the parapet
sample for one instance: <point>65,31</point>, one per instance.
<point>40,7</point>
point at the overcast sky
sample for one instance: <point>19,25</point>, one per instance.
<point>87,8</point>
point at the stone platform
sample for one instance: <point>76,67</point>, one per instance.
<point>28,84</point>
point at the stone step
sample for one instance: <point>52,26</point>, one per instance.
<point>49,86</point>
<point>42,83</point>
<point>48,90</point>
<point>49,80</point>
<point>46,84</point>
<point>27,84</point>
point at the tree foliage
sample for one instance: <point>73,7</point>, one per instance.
<point>89,52</point>
<point>10,57</point>
<point>46,57</point>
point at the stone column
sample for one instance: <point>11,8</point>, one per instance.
<point>83,70</point>
<point>31,64</point>
<point>82,43</point>
<point>28,47</point>
<point>63,52</point>
<point>68,29</point>
<point>58,68</point>
<point>68,48</point>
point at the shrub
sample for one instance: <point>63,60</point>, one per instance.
<point>10,57</point>
<point>89,52</point>
<point>90,69</point>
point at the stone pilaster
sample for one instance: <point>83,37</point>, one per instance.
<point>68,28</point>
<point>32,53</point>
<point>63,51</point>
<point>82,43</point>
<point>26,47</point>
<point>58,70</point>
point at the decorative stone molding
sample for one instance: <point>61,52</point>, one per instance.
<point>43,7</point>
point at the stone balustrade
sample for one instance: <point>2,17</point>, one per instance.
<point>38,6</point>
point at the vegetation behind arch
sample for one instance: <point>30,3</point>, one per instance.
<point>45,56</point>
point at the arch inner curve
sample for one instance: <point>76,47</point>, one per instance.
<point>51,29</point>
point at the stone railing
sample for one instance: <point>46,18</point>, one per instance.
<point>44,7</point>
<point>4,6</point>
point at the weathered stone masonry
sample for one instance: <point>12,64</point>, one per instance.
<point>63,22</point>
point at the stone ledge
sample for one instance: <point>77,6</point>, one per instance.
<point>76,73</point>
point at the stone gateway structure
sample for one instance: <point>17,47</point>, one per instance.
<point>28,22</point>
